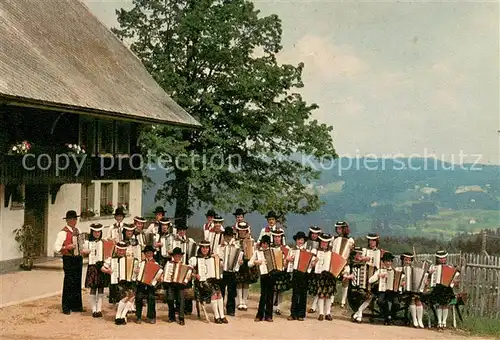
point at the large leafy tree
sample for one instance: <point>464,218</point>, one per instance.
<point>217,59</point>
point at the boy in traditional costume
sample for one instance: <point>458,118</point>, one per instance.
<point>145,291</point>
<point>239,215</point>
<point>265,309</point>
<point>386,297</point>
<point>299,282</point>
<point>175,291</point>
<point>228,287</point>
<point>209,223</point>
<point>115,231</point>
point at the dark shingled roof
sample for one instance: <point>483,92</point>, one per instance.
<point>57,54</point>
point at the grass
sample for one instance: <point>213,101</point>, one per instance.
<point>482,326</point>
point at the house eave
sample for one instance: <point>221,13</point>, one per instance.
<point>45,105</point>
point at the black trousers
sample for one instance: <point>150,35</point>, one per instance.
<point>229,286</point>
<point>265,309</point>
<point>389,304</point>
<point>188,304</point>
<point>114,293</point>
<point>145,292</point>
<point>175,298</point>
<point>299,294</point>
<point>72,285</point>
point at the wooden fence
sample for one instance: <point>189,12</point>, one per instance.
<point>479,279</point>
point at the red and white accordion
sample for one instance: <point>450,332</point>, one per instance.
<point>177,273</point>
<point>149,273</point>
<point>444,275</point>
<point>329,261</point>
<point>302,260</point>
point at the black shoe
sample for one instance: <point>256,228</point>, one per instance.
<point>181,322</point>
<point>99,315</point>
<point>94,315</point>
<point>118,322</point>
<point>67,312</point>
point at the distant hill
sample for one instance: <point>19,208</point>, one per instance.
<point>399,197</point>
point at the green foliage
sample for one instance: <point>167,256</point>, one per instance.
<point>481,326</point>
<point>28,242</point>
<point>217,59</point>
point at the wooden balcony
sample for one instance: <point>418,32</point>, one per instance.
<point>54,168</point>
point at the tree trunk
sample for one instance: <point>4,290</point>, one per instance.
<point>181,192</point>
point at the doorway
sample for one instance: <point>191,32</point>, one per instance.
<point>36,199</point>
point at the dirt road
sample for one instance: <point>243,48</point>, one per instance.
<point>42,319</point>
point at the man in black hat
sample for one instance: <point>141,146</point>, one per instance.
<point>299,281</point>
<point>209,224</point>
<point>239,214</point>
<point>229,277</point>
<point>175,291</point>
<point>115,231</point>
<point>271,218</point>
<point>66,244</point>
<point>145,291</point>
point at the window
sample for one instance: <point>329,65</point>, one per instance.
<point>88,200</point>
<point>106,199</point>
<point>124,195</point>
<point>87,134</point>
<point>105,136</point>
<point>122,133</point>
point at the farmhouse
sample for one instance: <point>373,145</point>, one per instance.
<point>66,79</point>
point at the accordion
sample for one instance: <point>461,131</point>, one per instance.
<point>123,269</point>
<point>209,268</point>
<point>342,246</point>
<point>374,256</point>
<point>272,259</point>
<point>415,278</point>
<point>232,256</point>
<point>168,245</point>
<point>177,273</point>
<point>100,251</point>
<point>216,241</point>
<point>79,240</point>
<point>302,260</point>
<point>392,280</point>
<point>361,276</point>
<point>444,275</point>
<point>248,247</point>
<point>149,273</point>
<point>329,261</point>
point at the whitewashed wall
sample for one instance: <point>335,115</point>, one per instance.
<point>9,220</point>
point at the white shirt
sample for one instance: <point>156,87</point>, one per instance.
<point>115,232</point>
<point>61,237</point>
<point>263,232</point>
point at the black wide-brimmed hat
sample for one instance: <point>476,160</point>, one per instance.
<point>441,253</point>
<point>159,210</point>
<point>315,229</point>
<point>218,218</point>
<point>204,243</point>
<point>148,248</point>
<point>96,227</point>
<point>239,211</point>
<point>229,231</point>
<point>242,226</point>
<point>406,255</point>
<point>140,219</point>
<point>372,236</point>
<point>177,251</point>
<point>119,212</point>
<point>300,235</point>
<point>387,256</point>
<point>271,214</point>
<point>265,239</point>
<point>210,213</point>
<point>277,232</point>
<point>325,237</point>
<point>70,214</point>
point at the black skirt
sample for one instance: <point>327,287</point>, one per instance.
<point>247,275</point>
<point>283,281</point>
<point>441,295</point>
<point>95,278</point>
<point>203,290</point>
<point>326,285</point>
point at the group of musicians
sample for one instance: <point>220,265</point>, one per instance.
<point>135,260</point>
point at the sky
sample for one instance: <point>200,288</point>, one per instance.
<point>394,79</point>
